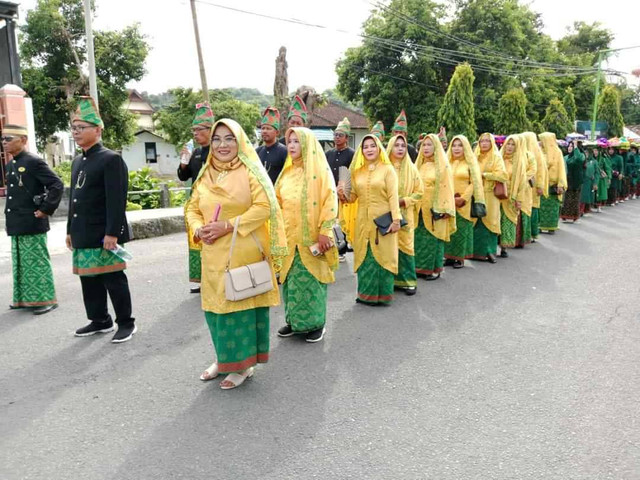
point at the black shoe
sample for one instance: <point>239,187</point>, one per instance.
<point>409,291</point>
<point>43,310</point>
<point>458,264</point>
<point>14,307</point>
<point>286,331</point>
<point>124,333</point>
<point>449,262</point>
<point>491,258</point>
<point>504,253</point>
<point>433,276</point>
<point>315,335</point>
<point>95,327</point>
<point>195,289</point>
<point>551,232</point>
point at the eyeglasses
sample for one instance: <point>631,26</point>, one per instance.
<point>199,129</point>
<point>80,128</point>
<point>217,141</point>
<point>339,135</point>
<point>7,138</point>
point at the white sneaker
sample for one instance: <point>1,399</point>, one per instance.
<point>342,258</point>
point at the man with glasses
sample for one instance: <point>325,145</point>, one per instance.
<point>33,194</point>
<point>340,156</point>
<point>272,153</point>
<point>97,226</point>
<point>189,168</point>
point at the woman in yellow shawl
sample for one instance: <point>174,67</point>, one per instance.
<point>468,188</point>
<point>234,186</point>
<point>550,206</point>
<point>514,157</point>
<point>436,211</point>
<point>523,232</point>
<point>374,186</point>
<point>409,192</point>
<point>306,192</point>
<point>487,230</point>
<point>541,185</point>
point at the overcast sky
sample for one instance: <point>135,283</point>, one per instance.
<point>240,49</point>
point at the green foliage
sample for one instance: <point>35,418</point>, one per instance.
<point>174,120</point>
<point>512,113</point>
<point>456,113</point>
<point>179,197</point>
<point>133,206</point>
<point>140,180</point>
<point>569,103</point>
<point>557,120</point>
<point>53,52</point>
<point>609,110</point>
<point>64,172</point>
<point>630,105</point>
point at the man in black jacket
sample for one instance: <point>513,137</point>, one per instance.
<point>272,153</point>
<point>189,168</point>
<point>33,194</point>
<point>97,226</point>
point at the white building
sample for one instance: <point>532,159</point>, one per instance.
<point>151,150</point>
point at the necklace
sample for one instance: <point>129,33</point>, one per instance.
<point>80,181</point>
<point>372,166</point>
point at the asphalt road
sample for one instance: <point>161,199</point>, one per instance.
<point>528,369</point>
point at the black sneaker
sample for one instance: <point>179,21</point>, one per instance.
<point>409,291</point>
<point>124,333</point>
<point>286,331</point>
<point>315,335</point>
<point>93,328</point>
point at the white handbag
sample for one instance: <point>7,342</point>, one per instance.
<point>248,280</point>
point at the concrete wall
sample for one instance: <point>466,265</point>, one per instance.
<point>134,155</point>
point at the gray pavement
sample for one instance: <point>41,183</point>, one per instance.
<point>527,369</point>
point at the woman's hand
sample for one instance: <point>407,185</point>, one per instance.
<point>68,242</point>
<point>341,195</point>
<point>324,243</point>
<point>210,232</point>
<point>460,202</point>
<point>560,190</point>
<point>394,227</point>
<point>517,204</point>
<point>540,191</point>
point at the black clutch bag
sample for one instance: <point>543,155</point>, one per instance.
<point>383,222</point>
<point>553,190</point>
<point>478,210</point>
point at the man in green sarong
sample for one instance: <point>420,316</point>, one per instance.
<point>33,194</point>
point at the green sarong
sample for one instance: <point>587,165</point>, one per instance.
<point>241,339</point>
<point>461,245</point>
<point>406,276</point>
<point>523,235</point>
<point>89,262</point>
<point>507,231</point>
<point>305,299</point>
<point>550,212</point>
<point>429,251</point>
<point>195,266</point>
<point>375,284</point>
<point>535,222</point>
<point>32,272</point>
<point>485,242</point>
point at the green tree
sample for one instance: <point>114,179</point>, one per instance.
<point>512,112</point>
<point>557,120</point>
<point>53,54</point>
<point>609,110</point>
<point>174,120</point>
<point>569,103</point>
<point>457,110</point>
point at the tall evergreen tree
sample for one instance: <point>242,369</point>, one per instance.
<point>457,111</point>
<point>557,120</point>
<point>512,112</point>
<point>569,103</point>
<point>609,110</point>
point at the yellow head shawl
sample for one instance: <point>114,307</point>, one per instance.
<point>554,157</point>
<point>519,165</point>
<point>494,148</point>
<point>542,177</point>
<point>250,159</point>
<point>472,163</point>
<point>406,166</point>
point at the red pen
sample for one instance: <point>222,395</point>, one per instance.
<point>216,213</point>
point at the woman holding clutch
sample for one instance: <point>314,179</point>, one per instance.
<point>233,189</point>
<point>550,206</point>
<point>468,188</point>
<point>541,184</point>
<point>514,157</point>
<point>374,189</point>
<point>306,192</point>
<point>486,231</point>
<point>436,211</point>
<point>410,191</point>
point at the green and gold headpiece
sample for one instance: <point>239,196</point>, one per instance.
<point>204,116</point>
<point>271,117</point>
<point>401,123</point>
<point>298,108</point>
<point>344,126</point>
<point>87,111</point>
<point>378,130</point>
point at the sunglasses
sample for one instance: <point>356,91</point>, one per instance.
<point>7,138</point>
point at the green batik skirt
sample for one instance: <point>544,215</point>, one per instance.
<point>375,284</point>
<point>195,265</point>
<point>507,231</point>
<point>429,251</point>
<point>406,276</point>
<point>485,242</point>
<point>305,299</point>
<point>461,245</point>
<point>523,234</point>
<point>89,262</point>
<point>241,339</point>
<point>32,272</point>
<point>535,222</point>
<point>550,212</point>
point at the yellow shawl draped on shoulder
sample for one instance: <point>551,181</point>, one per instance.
<point>542,173</point>
<point>492,171</point>
<point>517,179</point>
<point>555,160</point>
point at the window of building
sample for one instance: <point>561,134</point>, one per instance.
<point>150,152</point>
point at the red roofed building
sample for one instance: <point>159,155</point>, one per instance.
<point>325,119</point>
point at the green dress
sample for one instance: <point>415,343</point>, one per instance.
<point>617,166</point>
<point>604,179</point>
<point>589,181</point>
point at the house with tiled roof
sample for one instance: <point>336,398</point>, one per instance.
<point>325,119</point>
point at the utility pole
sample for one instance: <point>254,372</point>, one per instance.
<point>203,75</point>
<point>93,85</point>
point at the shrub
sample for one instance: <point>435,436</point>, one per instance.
<point>143,179</point>
<point>64,172</point>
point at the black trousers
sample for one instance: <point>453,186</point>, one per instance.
<point>94,294</point>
